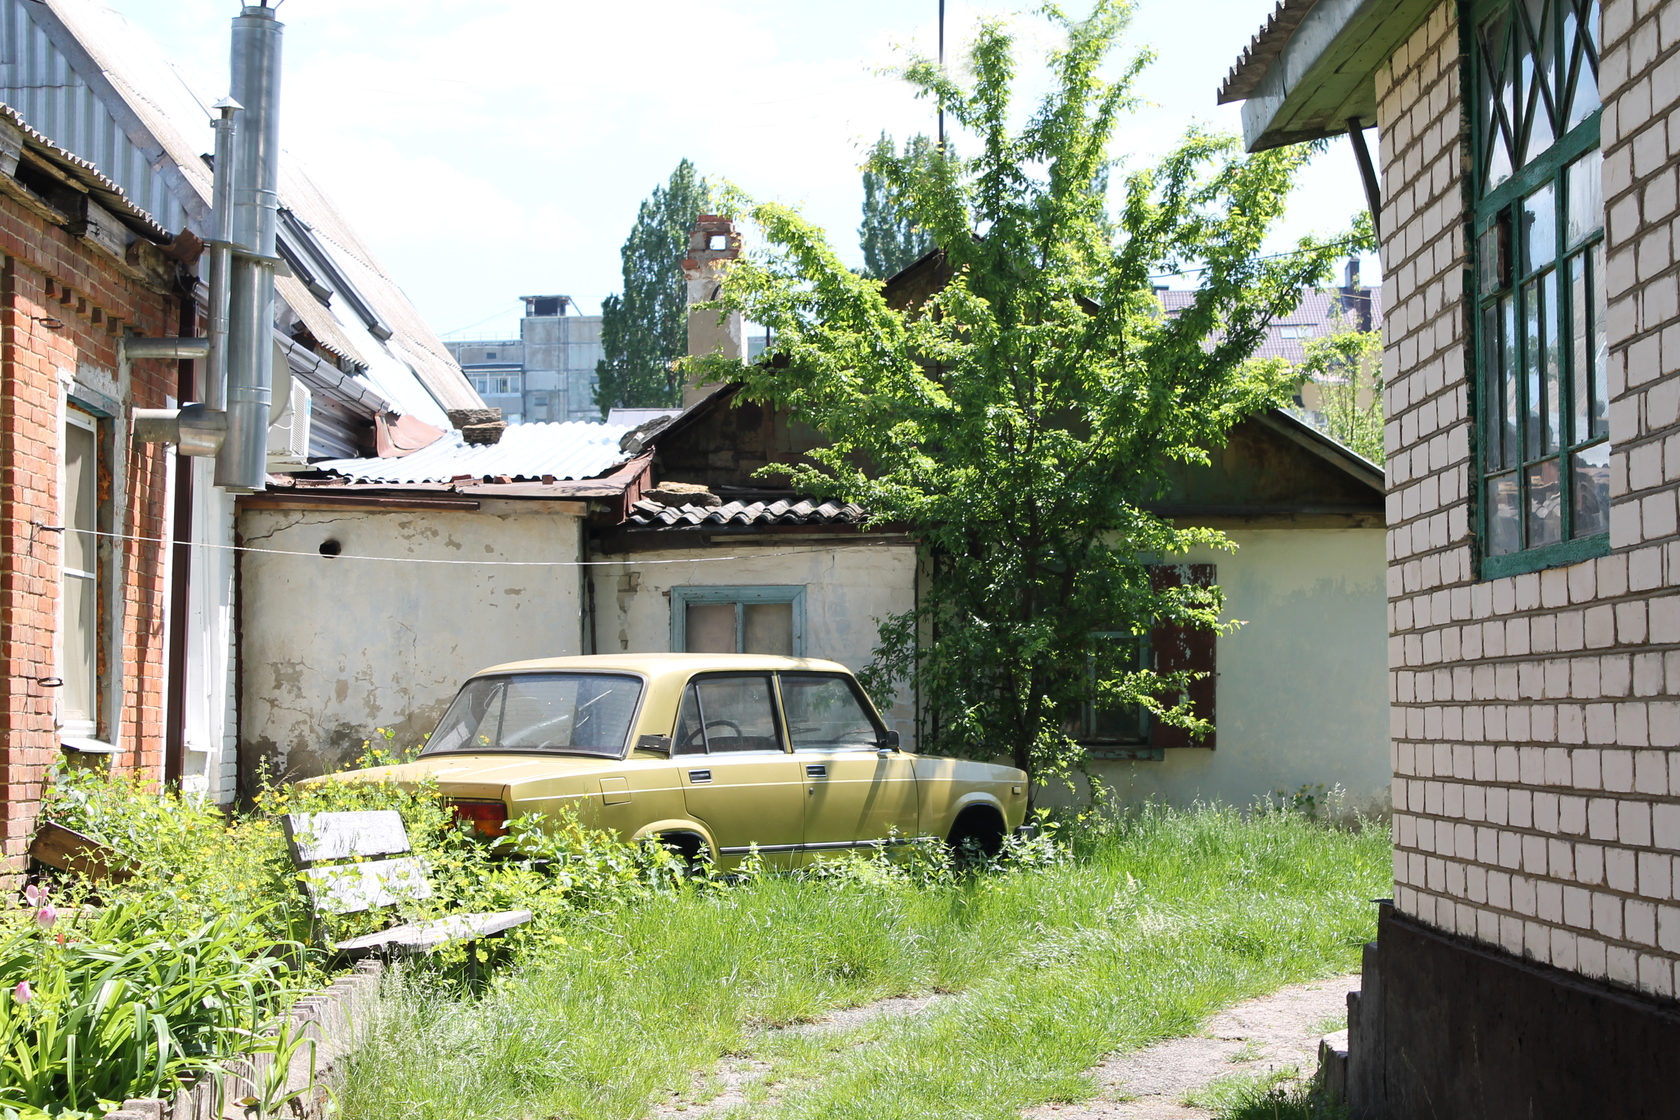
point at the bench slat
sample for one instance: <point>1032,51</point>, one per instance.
<point>420,937</point>
<point>321,837</point>
<point>350,888</point>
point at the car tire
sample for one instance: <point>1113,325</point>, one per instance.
<point>977,829</point>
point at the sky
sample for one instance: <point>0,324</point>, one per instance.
<point>501,148</point>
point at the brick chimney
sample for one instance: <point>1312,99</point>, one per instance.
<point>713,239</point>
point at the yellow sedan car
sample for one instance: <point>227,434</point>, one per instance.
<point>715,754</point>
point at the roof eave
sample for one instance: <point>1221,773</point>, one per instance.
<point>1306,80</point>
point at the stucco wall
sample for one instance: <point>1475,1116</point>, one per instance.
<point>1302,691</point>
<point>848,587</point>
<point>333,648</point>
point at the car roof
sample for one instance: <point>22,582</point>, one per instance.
<point>655,665</point>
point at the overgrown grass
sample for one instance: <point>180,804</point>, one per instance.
<point>1155,921</point>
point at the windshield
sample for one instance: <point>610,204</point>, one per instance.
<point>562,713</point>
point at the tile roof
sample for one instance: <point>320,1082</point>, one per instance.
<point>571,450</point>
<point>647,514</point>
<point>1314,318</point>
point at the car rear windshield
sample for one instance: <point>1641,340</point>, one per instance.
<point>559,713</point>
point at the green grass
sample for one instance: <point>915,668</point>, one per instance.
<point>1154,923</point>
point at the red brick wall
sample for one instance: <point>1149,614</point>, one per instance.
<point>47,274</point>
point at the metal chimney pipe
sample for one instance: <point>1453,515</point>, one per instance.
<point>243,461</point>
<point>221,253</point>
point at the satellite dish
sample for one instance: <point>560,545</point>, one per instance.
<point>280,390</point>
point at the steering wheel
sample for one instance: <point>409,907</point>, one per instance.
<point>688,740</point>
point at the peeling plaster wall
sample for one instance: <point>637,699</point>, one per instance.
<point>333,648</point>
<point>847,588</point>
<point>1302,685</point>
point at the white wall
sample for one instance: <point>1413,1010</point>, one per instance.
<point>333,648</point>
<point>849,586</point>
<point>1302,685</point>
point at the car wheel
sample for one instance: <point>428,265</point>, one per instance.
<point>977,831</point>
<point>688,848</point>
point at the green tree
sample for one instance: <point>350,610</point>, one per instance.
<point>891,241</point>
<point>645,328</point>
<point>1022,420</point>
<point>1345,366</point>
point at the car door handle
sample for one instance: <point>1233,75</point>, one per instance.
<point>816,770</point>
<point>699,776</point>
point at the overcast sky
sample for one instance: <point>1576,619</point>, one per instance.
<point>500,148</point>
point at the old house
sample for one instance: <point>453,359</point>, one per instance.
<point>1525,195</point>
<point>83,575</point>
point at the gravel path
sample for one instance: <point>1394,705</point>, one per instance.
<point>1252,1038</point>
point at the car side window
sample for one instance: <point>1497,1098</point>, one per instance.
<point>734,713</point>
<point>825,714</point>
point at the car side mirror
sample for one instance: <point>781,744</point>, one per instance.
<point>888,741</point>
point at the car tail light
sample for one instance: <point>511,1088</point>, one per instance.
<point>487,818</point>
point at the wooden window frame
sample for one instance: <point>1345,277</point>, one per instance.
<point>1498,275</point>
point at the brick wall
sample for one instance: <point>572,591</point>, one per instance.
<point>1535,721</point>
<point>64,304</point>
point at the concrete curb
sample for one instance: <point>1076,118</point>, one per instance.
<point>327,1022</point>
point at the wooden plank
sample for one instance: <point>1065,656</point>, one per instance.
<point>349,888</point>
<point>423,937</point>
<point>68,850</point>
<point>323,837</point>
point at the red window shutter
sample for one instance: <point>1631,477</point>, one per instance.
<point>1179,648</point>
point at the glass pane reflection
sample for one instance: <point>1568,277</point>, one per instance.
<point>1590,503</point>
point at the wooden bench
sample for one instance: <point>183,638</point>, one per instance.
<point>355,862</point>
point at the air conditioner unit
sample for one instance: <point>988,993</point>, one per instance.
<point>288,435</point>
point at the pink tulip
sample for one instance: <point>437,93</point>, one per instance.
<point>46,916</point>
<point>35,896</point>
<point>21,993</point>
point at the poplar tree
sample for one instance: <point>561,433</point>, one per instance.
<point>1023,420</point>
<point>644,329</point>
<point>891,241</point>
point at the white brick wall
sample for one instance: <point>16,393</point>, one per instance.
<point>1536,717</point>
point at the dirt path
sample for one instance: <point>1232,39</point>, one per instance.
<point>1250,1039</point>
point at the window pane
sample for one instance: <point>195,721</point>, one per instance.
<point>1537,53</point>
<point>81,498</point>
<point>710,628</point>
<point>81,648</point>
<point>1591,474</point>
<point>1580,47</point>
<point>1504,505</point>
<point>823,713</point>
<point>1550,364</point>
<point>1499,100</point>
<point>769,628</point>
<point>1539,228</point>
<point>1511,376</point>
<point>1531,368</point>
<point>1601,348</point>
<point>581,713</point>
<point>1545,513</point>
<point>1493,374</point>
<point>689,739</point>
<point>738,714</point>
<point>1580,330</point>
<point>1584,187</point>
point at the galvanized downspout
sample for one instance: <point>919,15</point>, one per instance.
<point>242,463</point>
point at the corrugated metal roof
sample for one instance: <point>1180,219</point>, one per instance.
<point>100,187</point>
<point>1316,317</point>
<point>571,450</point>
<point>648,514</point>
<point>1264,49</point>
<point>101,87</point>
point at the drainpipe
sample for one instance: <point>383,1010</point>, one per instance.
<point>242,463</point>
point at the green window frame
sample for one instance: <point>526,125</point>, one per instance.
<point>756,610</point>
<point>1539,397</point>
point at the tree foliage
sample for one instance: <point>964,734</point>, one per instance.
<point>891,240</point>
<point>1346,367</point>
<point>1022,420</point>
<point>645,328</point>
